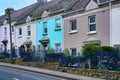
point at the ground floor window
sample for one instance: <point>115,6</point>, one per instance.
<point>73,51</point>
<point>57,47</point>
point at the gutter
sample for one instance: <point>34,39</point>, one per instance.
<point>110,8</point>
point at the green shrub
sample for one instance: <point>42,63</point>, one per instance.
<point>4,55</point>
<point>109,49</point>
<point>91,48</point>
<point>66,52</point>
<point>89,51</point>
<point>51,50</point>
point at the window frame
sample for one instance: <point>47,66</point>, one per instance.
<point>57,23</point>
<point>72,51</point>
<point>92,23</point>
<point>5,31</point>
<point>71,26</point>
<point>57,48</point>
<point>29,30</point>
<point>45,26</point>
<point>12,29</point>
<point>20,31</point>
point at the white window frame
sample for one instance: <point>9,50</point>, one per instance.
<point>19,32</point>
<point>71,22</point>
<point>12,29</point>
<point>72,52</point>
<point>28,30</point>
<point>57,21</point>
<point>5,31</point>
<point>45,26</point>
<point>93,23</point>
<point>57,48</point>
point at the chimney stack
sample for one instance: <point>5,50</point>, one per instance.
<point>42,1</point>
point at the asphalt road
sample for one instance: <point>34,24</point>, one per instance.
<point>14,74</point>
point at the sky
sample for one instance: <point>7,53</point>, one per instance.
<point>16,4</point>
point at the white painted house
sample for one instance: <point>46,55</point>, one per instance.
<point>115,25</point>
<point>25,33</point>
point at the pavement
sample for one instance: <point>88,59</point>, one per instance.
<point>48,72</point>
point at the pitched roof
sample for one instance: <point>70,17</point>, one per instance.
<point>51,7</point>
<point>2,18</point>
<point>18,14</point>
<point>82,4</point>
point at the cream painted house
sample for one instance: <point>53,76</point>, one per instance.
<point>87,25</point>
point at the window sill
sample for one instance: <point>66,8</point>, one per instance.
<point>13,32</point>
<point>57,29</point>
<point>72,32</point>
<point>20,36</point>
<point>91,32</point>
<point>45,34</point>
<point>28,37</point>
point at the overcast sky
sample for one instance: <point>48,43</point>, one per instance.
<point>16,4</point>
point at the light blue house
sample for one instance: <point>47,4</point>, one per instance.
<point>49,24</point>
<point>49,33</point>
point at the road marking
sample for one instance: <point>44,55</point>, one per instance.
<point>15,79</point>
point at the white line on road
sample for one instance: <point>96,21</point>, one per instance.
<point>15,79</point>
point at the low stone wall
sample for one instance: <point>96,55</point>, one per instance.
<point>102,74</point>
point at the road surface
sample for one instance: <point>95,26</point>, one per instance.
<point>14,74</point>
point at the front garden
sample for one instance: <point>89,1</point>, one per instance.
<point>99,62</point>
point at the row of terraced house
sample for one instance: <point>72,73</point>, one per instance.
<point>61,24</point>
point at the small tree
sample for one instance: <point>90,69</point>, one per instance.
<point>66,52</point>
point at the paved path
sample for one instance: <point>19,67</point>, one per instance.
<point>14,74</point>
<point>49,72</point>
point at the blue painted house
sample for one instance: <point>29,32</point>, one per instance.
<point>49,33</point>
<point>49,24</point>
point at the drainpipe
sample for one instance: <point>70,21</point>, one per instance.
<point>110,8</point>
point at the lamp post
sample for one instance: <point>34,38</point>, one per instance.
<point>8,12</point>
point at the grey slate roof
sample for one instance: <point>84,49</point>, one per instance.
<point>81,5</point>
<point>52,6</point>
<point>18,14</point>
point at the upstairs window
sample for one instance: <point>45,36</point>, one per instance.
<point>28,30</point>
<point>73,25</point>
<point>45,27</point>
<point>12,28</point>
<point>20,31</point>
<point>92,23</point>
<point>58,23</point>
<point>5,31</point>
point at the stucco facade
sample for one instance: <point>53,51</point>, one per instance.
<point>5,35</point>
<point>82,34</point>
<point>23,38</point>
<point>54,36</point>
